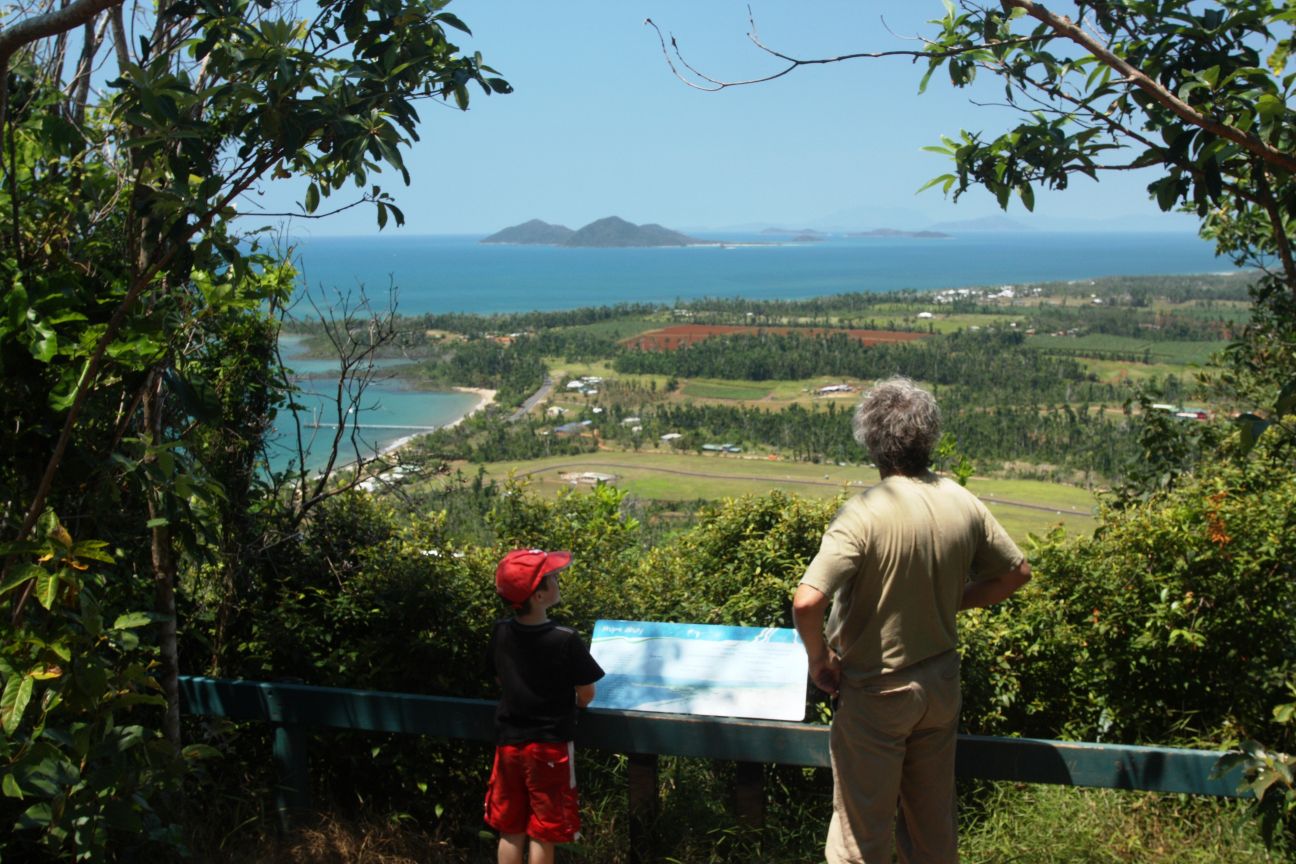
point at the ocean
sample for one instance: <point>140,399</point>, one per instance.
<point>433,274</point>
<point>459,274</point>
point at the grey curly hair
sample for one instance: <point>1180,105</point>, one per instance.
<point>898,423</point>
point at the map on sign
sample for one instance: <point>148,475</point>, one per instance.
<point>701,669</point>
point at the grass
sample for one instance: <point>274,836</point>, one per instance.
<point>1061,825</point>
<point>1000,823</point>
<point>709,389</point>
<point>623,328</point>
<point>667,476</point>
<point>1116,371</point>
<point>1099,345</point>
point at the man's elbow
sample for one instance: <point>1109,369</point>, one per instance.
<point>807,601</point>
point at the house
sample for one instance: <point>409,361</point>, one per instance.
<point>672,436</point>
<point>573,428</point>
<point>834,388</point>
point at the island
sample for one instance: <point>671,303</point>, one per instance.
<point>609,232</point>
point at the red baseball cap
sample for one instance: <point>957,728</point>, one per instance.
<point>519,573</point>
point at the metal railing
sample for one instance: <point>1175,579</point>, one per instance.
<point>294,709</point>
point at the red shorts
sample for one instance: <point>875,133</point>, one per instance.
<point>532,791</point>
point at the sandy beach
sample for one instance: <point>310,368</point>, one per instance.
<point>484,398</point>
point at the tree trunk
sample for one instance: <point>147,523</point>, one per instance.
<point>164,573</point>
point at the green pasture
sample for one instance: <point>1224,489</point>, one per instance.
<point>1180,353</point>
<point>1036,506</point>
<point>715,389</point>
<point>1114,371</point>
<point>625,328</point>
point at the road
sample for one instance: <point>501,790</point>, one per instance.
<point>533,400</point>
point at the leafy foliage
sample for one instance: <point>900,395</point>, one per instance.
<point>82,763</point>
<point>137,333</point>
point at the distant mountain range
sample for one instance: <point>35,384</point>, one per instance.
<point>995,222</point>
<point>892,232</point>
<point>610,232</point>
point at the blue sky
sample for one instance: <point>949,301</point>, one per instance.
<point>599,126</point>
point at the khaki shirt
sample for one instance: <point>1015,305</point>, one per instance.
<point>894,562</point>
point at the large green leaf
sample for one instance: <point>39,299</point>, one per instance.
<point>13,702</point>
<point>21,575</point>
<point>131,620</point>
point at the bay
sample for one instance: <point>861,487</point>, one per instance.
<point>390,411</point>
<point>434,274</point>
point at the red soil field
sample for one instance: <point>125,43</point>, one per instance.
<point>670,338</point>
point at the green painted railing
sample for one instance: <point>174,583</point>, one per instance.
<point>294,709</point>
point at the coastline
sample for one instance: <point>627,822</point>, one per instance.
<point>485,398</point>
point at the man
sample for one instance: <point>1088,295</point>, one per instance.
<point>897,563</point>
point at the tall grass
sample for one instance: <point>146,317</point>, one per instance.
<point>1006,822</point>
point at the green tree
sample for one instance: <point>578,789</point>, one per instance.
<point>129,297</point>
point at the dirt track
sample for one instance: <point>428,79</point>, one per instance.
<point>585,466</point>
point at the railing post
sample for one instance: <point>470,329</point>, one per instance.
<point>643,806</point>
<point>749,794</point>
<point>292,770</point>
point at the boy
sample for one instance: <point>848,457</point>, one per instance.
<point>545,674</point>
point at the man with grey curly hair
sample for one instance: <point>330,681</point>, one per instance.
<point>896,565</point>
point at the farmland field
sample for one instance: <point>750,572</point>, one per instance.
<point>681,335</point>
<point>1101,345</point>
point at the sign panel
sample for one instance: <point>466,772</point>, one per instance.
<point>701,669</point>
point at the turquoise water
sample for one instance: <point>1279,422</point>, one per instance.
<point>389,411</point>
<point>458,274</point>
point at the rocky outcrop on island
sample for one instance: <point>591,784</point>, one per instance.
<point>610,232</point>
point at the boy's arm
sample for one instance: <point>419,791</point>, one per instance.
<point>584,695</point>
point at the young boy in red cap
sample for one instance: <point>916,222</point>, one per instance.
<point>545,674</point>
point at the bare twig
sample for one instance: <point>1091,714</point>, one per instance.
<point>713,85</point>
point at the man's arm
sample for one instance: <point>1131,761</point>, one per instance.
<point>809,606</point>
<point>584,694</point>
<point>986,592</point>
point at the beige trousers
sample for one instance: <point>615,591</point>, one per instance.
<point>893,741</point>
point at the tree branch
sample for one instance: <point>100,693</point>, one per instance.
<point>48,24</point>
<point>1064,27</point>
<point>793,63</point>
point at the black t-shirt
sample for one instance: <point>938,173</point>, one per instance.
<point>538,666</point>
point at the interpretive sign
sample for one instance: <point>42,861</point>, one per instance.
<point>701,669</point>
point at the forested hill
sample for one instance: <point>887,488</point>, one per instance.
<point>533,232</point>
<point>609,232</point>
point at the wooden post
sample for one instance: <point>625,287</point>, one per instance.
<point>643,806</point>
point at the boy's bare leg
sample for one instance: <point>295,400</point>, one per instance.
<point>542,852</point>
<point>511,848</point>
